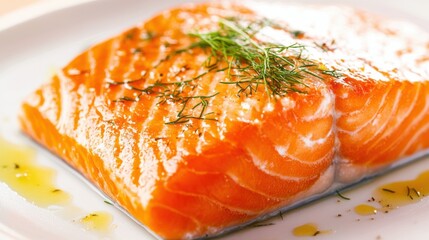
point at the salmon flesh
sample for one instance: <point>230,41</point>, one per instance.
<point>209,116</point>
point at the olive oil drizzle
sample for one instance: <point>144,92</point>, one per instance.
<point>396,194</point>
<point>308,230</point>
<point>20,171</point>
<point>393,195</point>
<point>30,180</point>
<point>99,221</point>
<point>365,210</point>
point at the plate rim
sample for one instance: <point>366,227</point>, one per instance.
<point>35,10</point>
<point>25,16</point>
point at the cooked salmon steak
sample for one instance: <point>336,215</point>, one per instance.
<point>209,116</point>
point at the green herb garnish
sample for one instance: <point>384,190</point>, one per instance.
<point>388,190</point>
<point>277,67</point>
<point>137,50</point>
<point>342,196</point>
<point>417,193</point>
<point>297,34</point>
<point>410,191</point>
<point>261,224</point>
<point>149,35</point>
<point>248,62</point>
<point>332,73</point>
<point>129,36</point>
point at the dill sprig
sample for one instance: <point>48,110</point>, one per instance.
<point>332,73</point>
<point>174,92</point>
<point>342,196</point>
<point>279,68</point>
<point>247,62</point>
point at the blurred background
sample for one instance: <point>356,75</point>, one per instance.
<point>419,8</point>
<point>10,5</point>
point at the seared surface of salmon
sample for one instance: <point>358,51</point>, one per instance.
<point>162,127</point>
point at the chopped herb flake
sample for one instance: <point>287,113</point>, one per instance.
<point>247,62</point>
<point>262,224</point>
<point>149,35</point>
<point>388,190</point>
<point>342,196</point>
<point>297,34</point>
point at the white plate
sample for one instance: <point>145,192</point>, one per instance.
<point>36,41</point>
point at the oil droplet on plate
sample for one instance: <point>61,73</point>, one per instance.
<point>365,210</point>
<point>396,194</point>
<point>98,221</point>
<point>21,173</point>
<point>308,230</point>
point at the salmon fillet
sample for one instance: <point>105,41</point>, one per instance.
<point>176,135</point>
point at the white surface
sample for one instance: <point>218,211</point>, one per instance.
<point>31,50</point>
